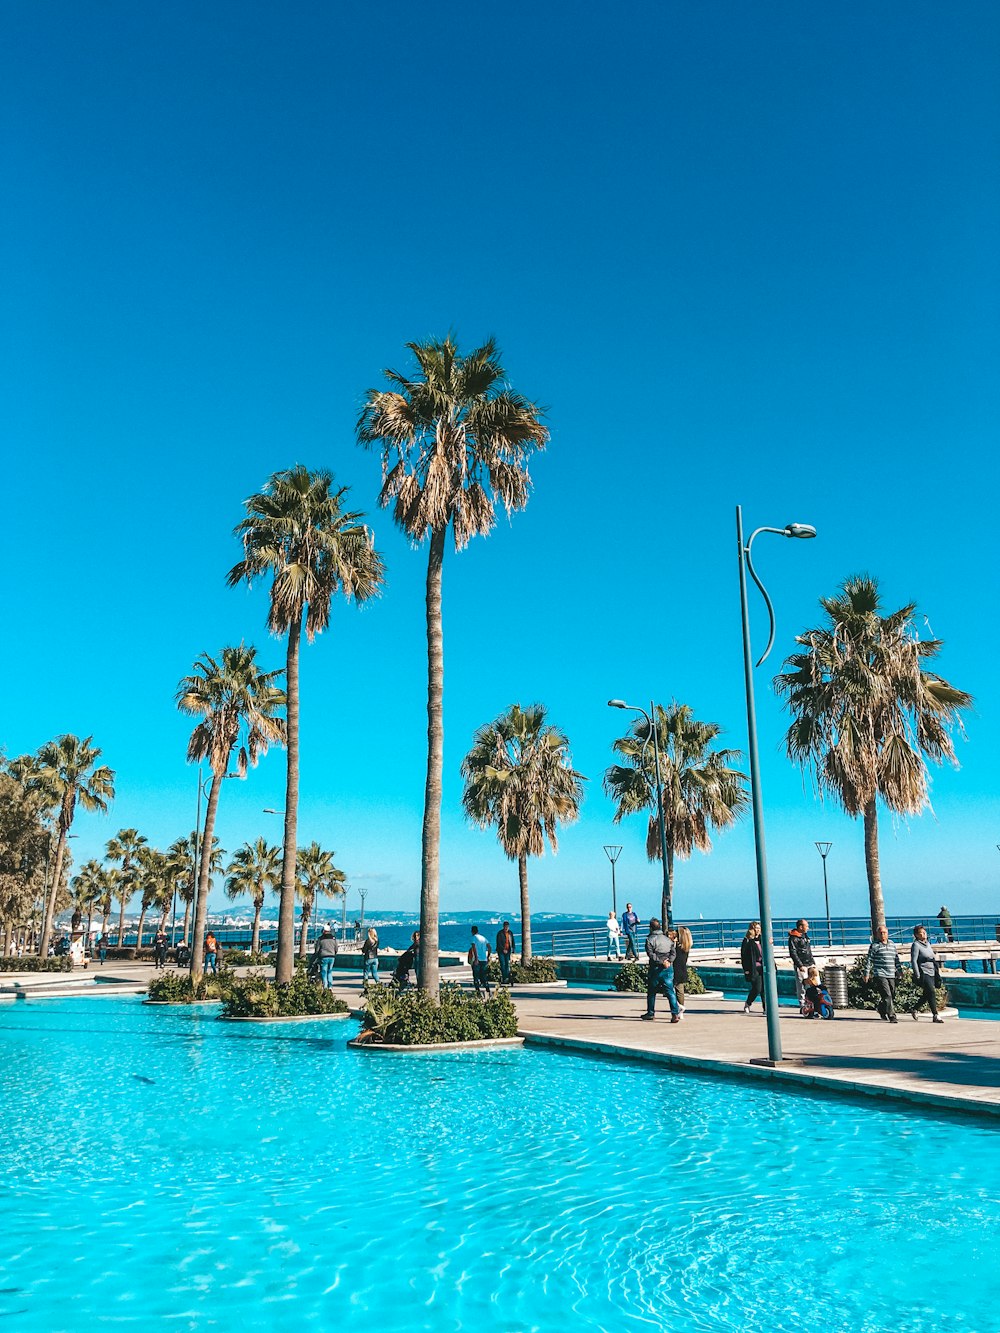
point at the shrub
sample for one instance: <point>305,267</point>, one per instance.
<point>863,994</point>
<point>410,1018</point>
<point>33,964</point>
<point>243,958</point>
<point>177,987</point>
<point>523,974</point>
<point>257,996</point>
<point>633,977</point>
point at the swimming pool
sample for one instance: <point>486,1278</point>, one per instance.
<point>161,1167</point>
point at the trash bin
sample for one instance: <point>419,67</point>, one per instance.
<point>835,980</point>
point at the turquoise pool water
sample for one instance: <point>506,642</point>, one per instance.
<point>163,1169</point>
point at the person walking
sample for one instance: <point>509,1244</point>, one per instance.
<point>160,949</point>
<point>926,972</point>
<point>102,948</point>
<point>211,953</point>
<point>947,926</point>
<point>479,957</point>
<point>630,925</point>
<point>409,958</point>
<point>614,936</point>
<point>801,953</point>
<point>883,964</point>
<point>752,961</point>
<point>661,951</point>
<point>369,958</point>
<point>325,957</point>
<point>682,949</point>
<point>505,947</point>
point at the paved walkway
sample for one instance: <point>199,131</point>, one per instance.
<point>955,1065</point>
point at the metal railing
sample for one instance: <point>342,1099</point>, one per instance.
<point>591,941</point>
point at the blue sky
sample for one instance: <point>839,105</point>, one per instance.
<point>743,253</point>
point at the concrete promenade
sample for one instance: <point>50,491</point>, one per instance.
<point>955,1065</point>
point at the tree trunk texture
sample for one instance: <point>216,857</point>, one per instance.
<point>187,922</point>
<point>50,906</point>
<point>204,875</point>
<point>522,875</point>
<point>430,864</point>
<point>872,867</point>
<point>285,965</point>
<point>304,929</point>
<point>138,936</point>
<point>255,936</point>
<point>121,915</point>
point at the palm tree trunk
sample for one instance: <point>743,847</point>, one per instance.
<point>872,867</point>
<point>204,876</point>
<point>430,863</point>
<point>522,875</point>
<point>138,934</point>
<point>285,965</point>
<point>50,906</point>
<point>304,929</point>
<point>126,895</point>
<point>258,906</point>
<point>187,922</point>
<point>667,905</point>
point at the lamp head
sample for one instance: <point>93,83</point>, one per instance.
<point>617,703</point>
<point>799,530</point>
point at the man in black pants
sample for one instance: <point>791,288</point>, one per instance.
<point>883,964</point>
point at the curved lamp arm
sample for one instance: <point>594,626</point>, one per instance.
<point>789,530</point>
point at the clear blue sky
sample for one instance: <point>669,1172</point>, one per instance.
<point>743,253</point>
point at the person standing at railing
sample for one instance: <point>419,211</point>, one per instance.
<point>614,936</point>
<point>661,951</point>
<point>630,925</point>
<point>801,953</point>
<point>947,926</point>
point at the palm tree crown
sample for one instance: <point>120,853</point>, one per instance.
<point>255,868</point>
<point>238,704</point>
<point>454,440</point>
<point>866,712</point>
<point>519,780</point>
<point>317,875</point>
<point>702,790</point>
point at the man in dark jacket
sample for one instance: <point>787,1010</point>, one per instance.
<point>630,924</point>
<point>326,956</point>
<point>660,950</point>
<point>505,947</point>
<point>800,951</point>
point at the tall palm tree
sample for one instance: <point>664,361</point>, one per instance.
<point>182,857</point>
<point>702,790</point>
<point>88,888</point>
<point>455,441</point>
<point>156,886</point>
<point>71,774</point>
<point>518,780</point>
<point>317,875</point>
<point>238,705</point>
<point>254,869</point>
<point>867,713</point>
<point>124,850</point>
<point>298,532</point>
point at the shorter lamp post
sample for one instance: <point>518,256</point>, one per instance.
<point>363,894</point>
<point>824,850</point>
<point>612,853</point>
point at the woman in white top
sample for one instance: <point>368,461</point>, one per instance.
<point>614,936</point>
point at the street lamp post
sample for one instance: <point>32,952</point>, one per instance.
<point>363,894</point>
<point>665,908</point>
<point>800,530</point>
<point>612,853</point>
<point>824,850</point>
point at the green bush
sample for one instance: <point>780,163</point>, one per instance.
<point>410,1018</point>
<point>863,994</point>
<point>33,964</point>
<point>257,996</point>
<point>177,987</point>
<point>524,974</point>
<point>243,958</point>
<point>633,977</point>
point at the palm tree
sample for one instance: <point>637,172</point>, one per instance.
<point>518,780</point>
<point>317,875</point>
<point>71,774</point>
<point>124,849</point>
<point>866,712</point>
<point>255,868</point>
<point>702,790</point>
<point>298,532</point>
<point>237,704</point>
<point>88,888</point>
<point>157,886</point>
<point>454,441</point>
<point>182,858</point>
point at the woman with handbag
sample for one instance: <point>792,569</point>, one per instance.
<point>752,961</point>
<point>926,972</point>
